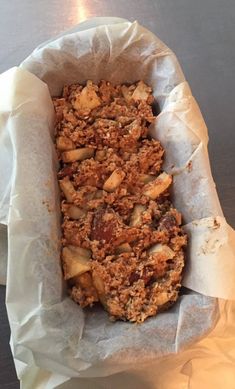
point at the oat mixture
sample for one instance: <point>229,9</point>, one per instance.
<point>122,241</point>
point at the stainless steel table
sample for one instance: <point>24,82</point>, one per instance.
<point>202,35</point>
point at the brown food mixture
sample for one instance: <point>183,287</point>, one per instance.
<point>123,244</point>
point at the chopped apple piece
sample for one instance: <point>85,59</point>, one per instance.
<point>155,188</point>
<point>141,92</point>
<point>99,286</point>
<point>86,253</point>
<point>88,99</point>
<point>77,154</point>
<point>134,129</point>
<point>146,178</point>
<point>98,283</point>
<point>73,263</point>
<point>85,282</point>
<point>163,250</point>
<point>114,180</point>
<point>75,212</point>
<point>136,215</point>
<point>64,143</point>
<point>67,188</point>
<point>161,298</point>
<point>127,93</point>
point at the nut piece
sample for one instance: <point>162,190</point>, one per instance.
<point>136,215</point>
<point>113,182</point>
<point>88,99</point>
<point>163,250</point>
<point>77,154</point>
<point>104,226</point>
<point>168,222</point>
<point>73,263</point>
<point>158,186</point>
<point>64,143</point>
<point>68,189</point>
<point>141,92</point>
<point>123,248</point>
<point>75,212</point>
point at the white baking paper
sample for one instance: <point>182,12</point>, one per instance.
<point>208,363</point>
<point>48,329</point>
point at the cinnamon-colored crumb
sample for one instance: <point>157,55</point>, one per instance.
<point>117,207</point>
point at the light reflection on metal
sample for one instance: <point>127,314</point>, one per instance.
<point>82,10</point>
